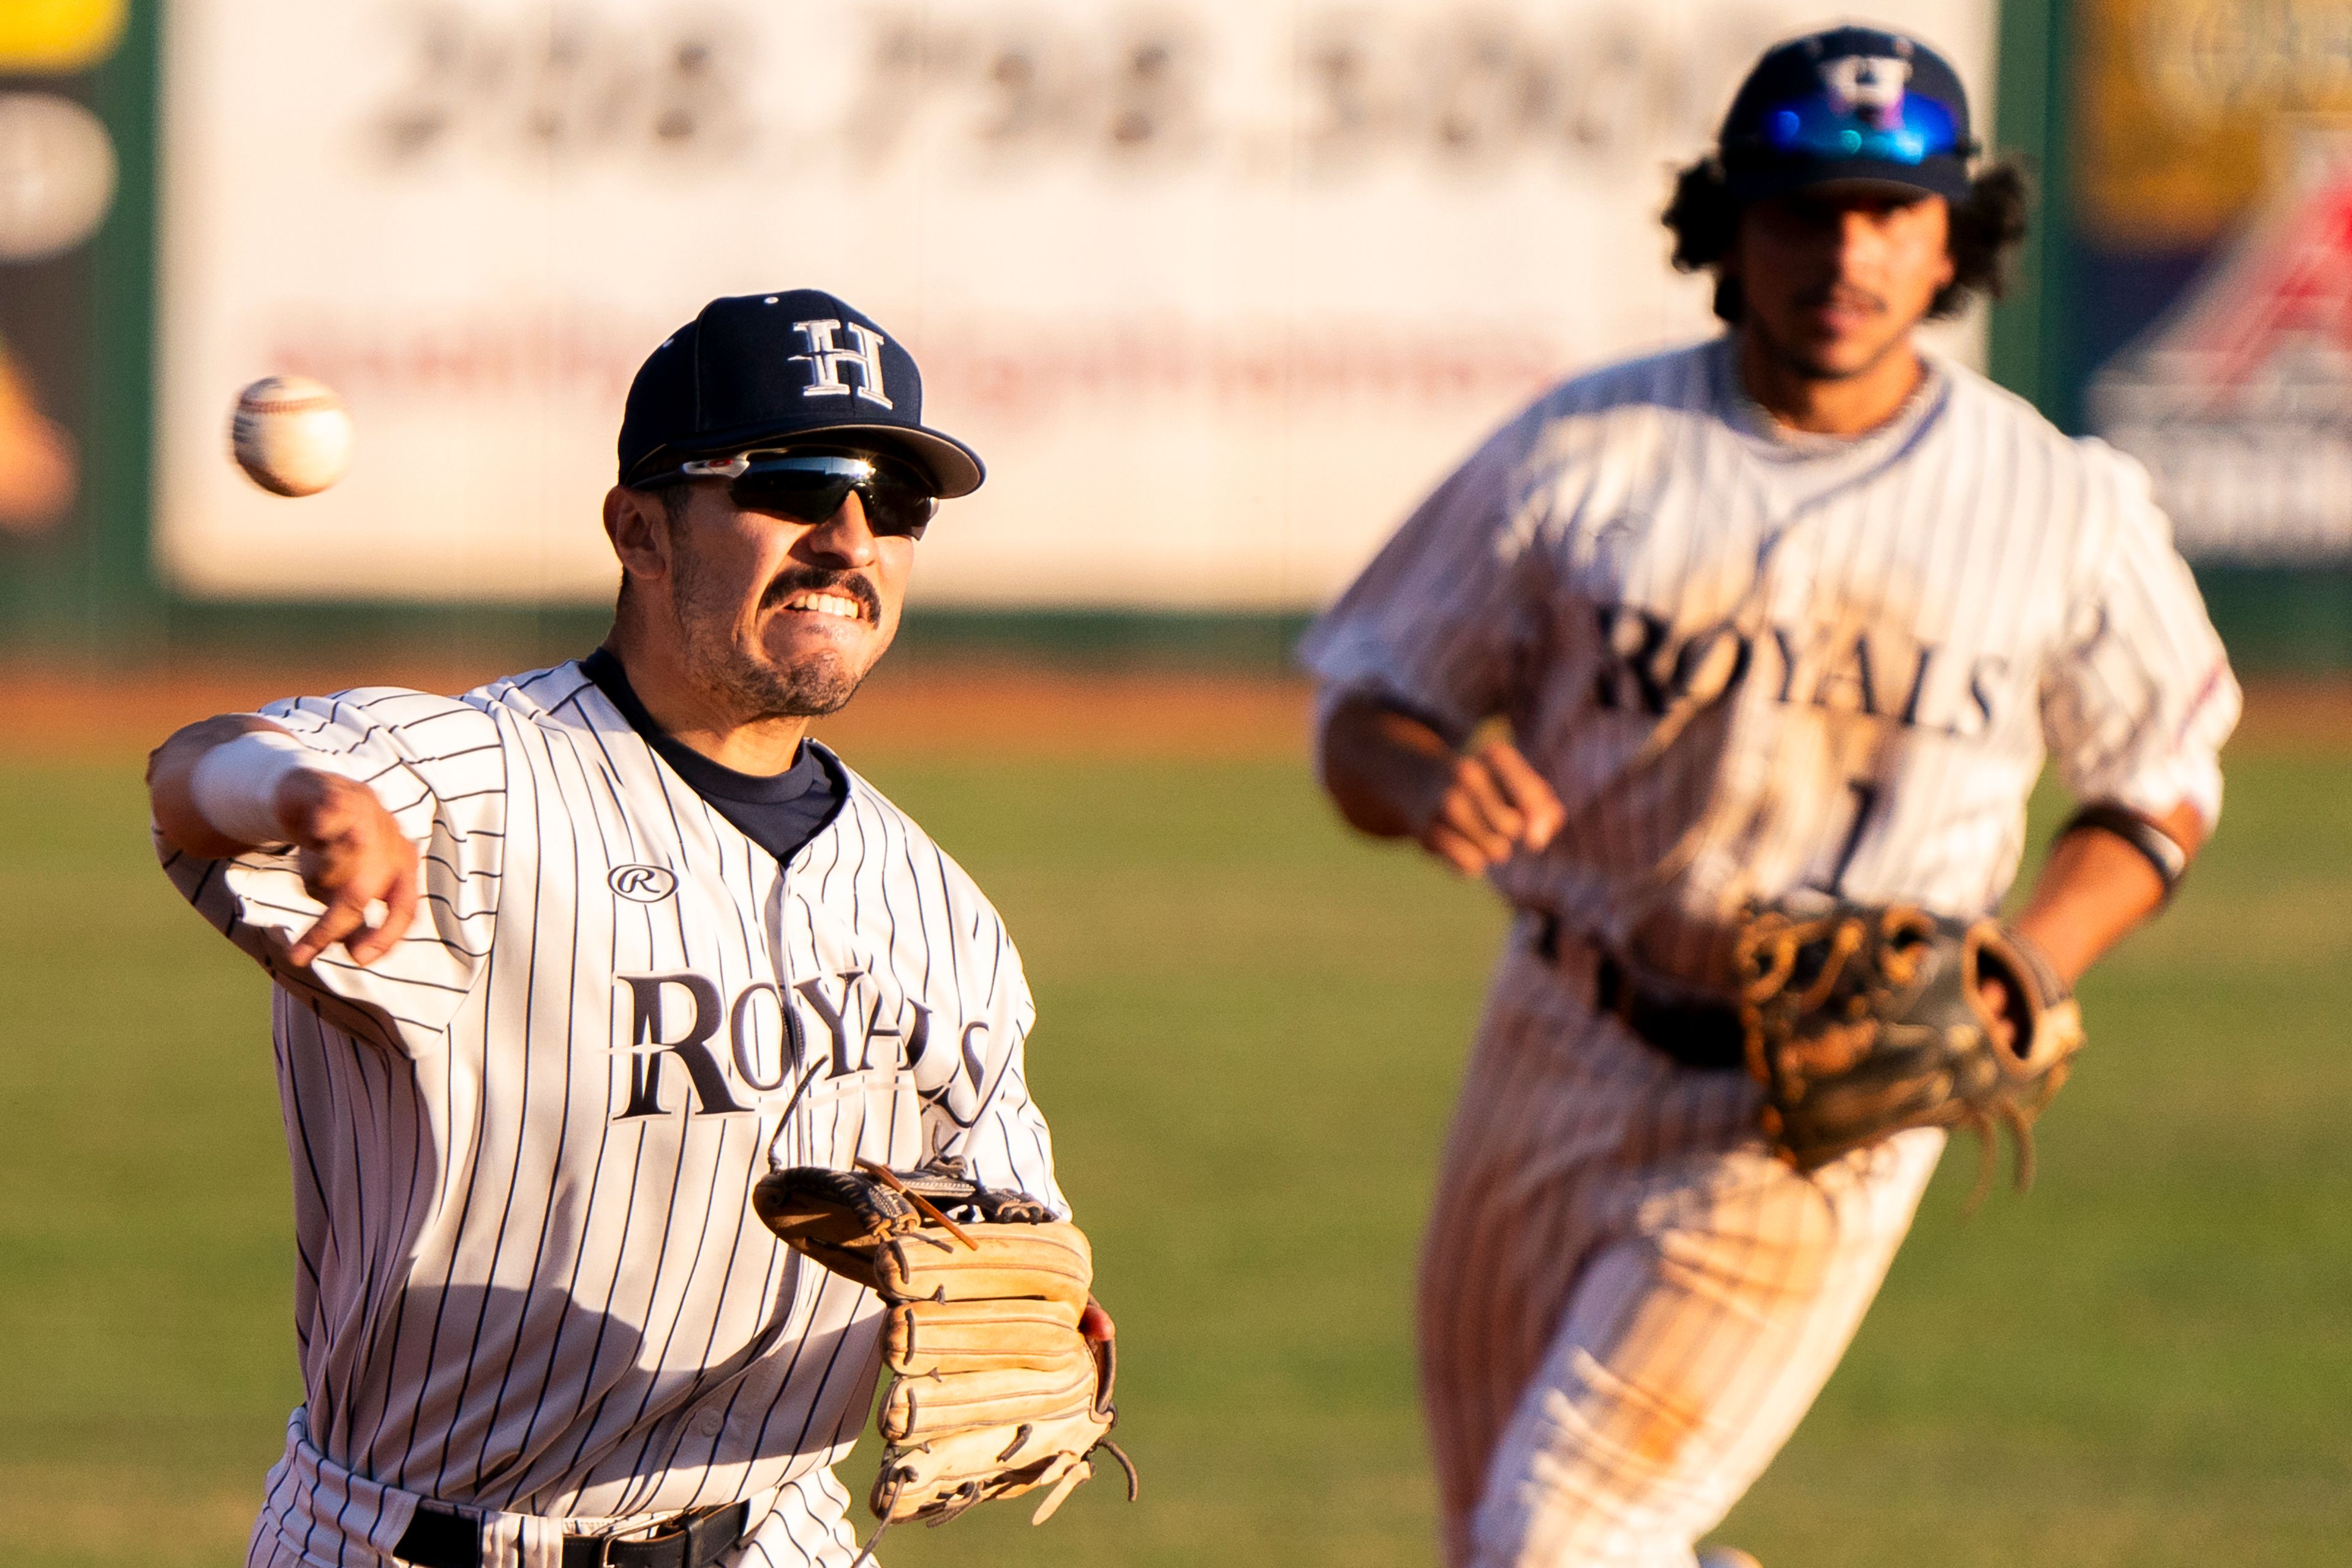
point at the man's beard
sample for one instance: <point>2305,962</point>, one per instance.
<point>747,685</point>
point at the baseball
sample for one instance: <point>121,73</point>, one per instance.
<point>291,435</point>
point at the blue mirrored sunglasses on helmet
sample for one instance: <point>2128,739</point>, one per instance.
<point>809,486</point>
<point>1814,127</point>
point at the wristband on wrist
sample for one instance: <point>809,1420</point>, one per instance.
<point>234,786</point>
<point>2159,848</point>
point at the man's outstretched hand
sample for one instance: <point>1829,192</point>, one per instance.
<point>353,859</point>
<point>353,856</point>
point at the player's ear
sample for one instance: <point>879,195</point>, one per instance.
<point>637,522</point>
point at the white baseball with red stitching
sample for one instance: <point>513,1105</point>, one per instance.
<point>291,435</point>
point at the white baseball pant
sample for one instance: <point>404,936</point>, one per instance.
<point>1626,1302</point>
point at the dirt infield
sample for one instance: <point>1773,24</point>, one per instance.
<point>2298,715</point>
<point>49,712</point>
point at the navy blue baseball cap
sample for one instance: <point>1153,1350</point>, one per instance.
<point>1851,103</point>
<point>760,370</point>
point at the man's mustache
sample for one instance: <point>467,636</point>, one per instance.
<point>817,580</point>
<point>1843,295</point>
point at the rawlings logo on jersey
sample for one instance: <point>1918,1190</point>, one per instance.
<point>643,884</point>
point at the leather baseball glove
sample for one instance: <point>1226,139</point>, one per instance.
<point>994,1391</point>
<point>1863,1021</point>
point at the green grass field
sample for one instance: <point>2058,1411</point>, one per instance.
<point>1252,1026</point>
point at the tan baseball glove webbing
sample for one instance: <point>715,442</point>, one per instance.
<point>993,1390</point>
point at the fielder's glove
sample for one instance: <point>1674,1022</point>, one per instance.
<point>994,1391</point>
<point>1861,1022</point>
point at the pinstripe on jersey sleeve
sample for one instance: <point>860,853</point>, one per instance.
<point>1446,614</point>
<point>1008,1145</point>
<point>2140,698</point>
<point>438,765</point>
<point>980,1107</point>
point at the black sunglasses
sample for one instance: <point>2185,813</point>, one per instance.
<point>810,486</point>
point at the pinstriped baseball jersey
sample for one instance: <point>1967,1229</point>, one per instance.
<point>529,1280</point>
<point>1752,663</point>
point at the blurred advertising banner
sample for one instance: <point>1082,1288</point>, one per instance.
<point>2213,215</point>
<point>1217,288</point>
<point>57,187</point>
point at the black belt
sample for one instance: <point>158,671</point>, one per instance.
<point>436,1538</point>
<point>1702,1035</point>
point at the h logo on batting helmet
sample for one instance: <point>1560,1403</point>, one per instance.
<point>827,359</point>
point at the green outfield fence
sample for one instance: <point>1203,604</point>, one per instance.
<point>89,587</point>
<point>89,593</point>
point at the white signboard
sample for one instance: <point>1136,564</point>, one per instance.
<point>1218,287</point>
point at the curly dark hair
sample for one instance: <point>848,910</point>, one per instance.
<point>1986,229</point>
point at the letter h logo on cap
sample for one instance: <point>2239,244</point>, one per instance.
<point>1868,87</point>
<point>773,369</point>
<point>827,359</point>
